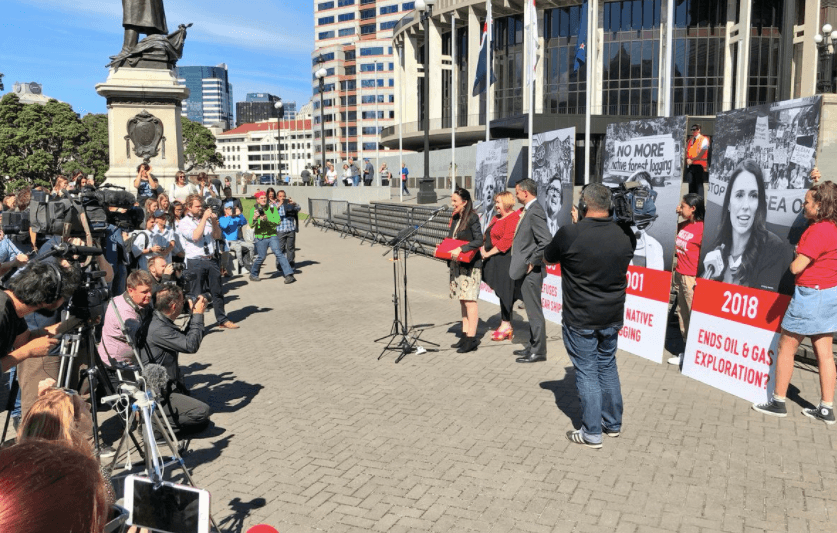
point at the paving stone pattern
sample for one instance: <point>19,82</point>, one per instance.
<point>313,433</point>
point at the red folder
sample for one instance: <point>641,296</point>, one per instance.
<point>447,245</point>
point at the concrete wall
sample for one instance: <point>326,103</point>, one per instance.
<point>300,194</point>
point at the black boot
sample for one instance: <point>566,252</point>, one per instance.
<point>470,345</point>
<point>459,343</point>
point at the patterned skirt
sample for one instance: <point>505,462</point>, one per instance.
<point>464,281</point>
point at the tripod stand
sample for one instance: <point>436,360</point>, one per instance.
<point>402,337</point>
<point>145,404</point>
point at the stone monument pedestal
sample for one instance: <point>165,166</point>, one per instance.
<point>144,110</point>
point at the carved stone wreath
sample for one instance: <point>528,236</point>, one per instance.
<point>145,131</point>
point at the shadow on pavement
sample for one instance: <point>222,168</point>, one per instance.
<point>566,395</point>
<point>240,510</point>
<point>222,392</point>
<point>240,314</point>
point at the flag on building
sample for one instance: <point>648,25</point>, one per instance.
<point>530,22</point>
<point>479,78</point>
<point>581,47</point>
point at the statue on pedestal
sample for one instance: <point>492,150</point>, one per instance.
<point>159,49</point>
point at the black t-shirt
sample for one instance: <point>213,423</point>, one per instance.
<point>11,325</point>
<point>594,256</point>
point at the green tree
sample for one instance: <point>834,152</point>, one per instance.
<point>199,150</point>
<point>39,142</point>
<point>93,153</point>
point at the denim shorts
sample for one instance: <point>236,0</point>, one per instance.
<point>811,311</point>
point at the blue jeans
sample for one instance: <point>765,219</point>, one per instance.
<point>593,353</point>
<point>16,408</point>
<point>355,181</point>
<point>261,244</point>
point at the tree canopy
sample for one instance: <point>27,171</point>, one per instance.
<point>199,150</point>
<point>39,142</point>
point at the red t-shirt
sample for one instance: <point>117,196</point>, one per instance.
<point>689,239</point>
<point>819,242</point>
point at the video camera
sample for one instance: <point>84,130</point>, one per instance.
<point>215,205</point>
<point>183,279</point>
<point>634,204</point>
<point>62,215</point>
<point>15,223</point>
<point>92,295</point>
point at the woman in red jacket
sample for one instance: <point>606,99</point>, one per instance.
<point>496,259</point>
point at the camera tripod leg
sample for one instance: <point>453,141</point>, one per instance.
<point>10,405</point>
<point>128,423</point>
<point>163,425</point>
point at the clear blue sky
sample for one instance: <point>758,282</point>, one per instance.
<point>65,44</point>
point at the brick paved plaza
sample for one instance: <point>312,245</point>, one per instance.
<point>313,433</point>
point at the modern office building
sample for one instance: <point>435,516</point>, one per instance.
<point>354,40</point>
<point>251,148</point>
<point>648,58</point>
<point>210,94</point>
<point>261,106</point>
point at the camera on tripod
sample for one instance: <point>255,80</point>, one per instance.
<point>62,215</point>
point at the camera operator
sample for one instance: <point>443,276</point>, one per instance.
<point>145,183</point>
<point>164,342</point>
<point>231,225</point>
<point>199,230</point>
<point>10,256</point>
<point>265,220</point>
<point>593,279</point>
<point>162,273</point>
<point>288,227</point>
<point>39,287</point>
<point>134,310</point>
<point>32,372</point>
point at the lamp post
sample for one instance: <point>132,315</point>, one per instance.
<point>825,47</point>
<point>321,74</point>
<point>280,113</point>
<point>377,130</point>
<point>426,194</point>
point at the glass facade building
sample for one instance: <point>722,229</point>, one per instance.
<point>210,95</point>
<point>648,58</point>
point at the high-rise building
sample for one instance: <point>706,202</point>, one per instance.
<point>262,106</point>
<point>354,40</point>
<point>210,94</point>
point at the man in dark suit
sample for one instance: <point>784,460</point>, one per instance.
<point>527,267</point>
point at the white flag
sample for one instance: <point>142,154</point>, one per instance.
<point>530,22</point>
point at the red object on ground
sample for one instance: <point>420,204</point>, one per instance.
<point>262,528</point>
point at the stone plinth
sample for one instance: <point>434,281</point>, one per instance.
<point>130,92</point>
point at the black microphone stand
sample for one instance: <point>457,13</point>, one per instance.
<point>402,337</point>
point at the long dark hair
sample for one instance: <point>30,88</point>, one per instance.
<point>271,190</point>
<point>759,232</point>
<point>695,201</point>
<point>467,211</point>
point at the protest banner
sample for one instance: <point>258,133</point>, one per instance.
<point>733,334</point>
<point>491,176</point>
<point>553,163</point>
<point>646,311</point>
<point>551,294</point>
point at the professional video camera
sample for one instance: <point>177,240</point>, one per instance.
<point>183,279</point>
<point>634,204</point>
<point>215,205</point>
<point>90,298</point>
<point>15,223</point>
<point>62,215</point>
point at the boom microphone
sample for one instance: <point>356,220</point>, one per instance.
<point>71,249</point>
<point>156,378</point>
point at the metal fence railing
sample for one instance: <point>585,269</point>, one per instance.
<point>381,222</point>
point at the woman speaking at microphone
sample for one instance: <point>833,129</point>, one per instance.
<point>497,259</point>
<point>465,278</point>
<point>813,309</point>
<point>745,252</point>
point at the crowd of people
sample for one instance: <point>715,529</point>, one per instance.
<point>161,278</point>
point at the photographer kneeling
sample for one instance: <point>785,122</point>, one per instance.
<point>164,343</point>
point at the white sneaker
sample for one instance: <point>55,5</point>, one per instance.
<point>675,360</point>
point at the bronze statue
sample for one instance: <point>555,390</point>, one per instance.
<point>158,49</point>
<point>142,16</point>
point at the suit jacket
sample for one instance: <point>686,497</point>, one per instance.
<point>530,239</point>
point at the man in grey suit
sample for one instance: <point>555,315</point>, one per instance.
<point>527,268</point>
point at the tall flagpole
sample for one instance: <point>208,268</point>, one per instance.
<point>400,48</point>
<point>488,66</point>
<point>453,69</point>
<point>530,64</point>
<point>590,57</point>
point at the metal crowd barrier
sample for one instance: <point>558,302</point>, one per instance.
<point>380,222</point>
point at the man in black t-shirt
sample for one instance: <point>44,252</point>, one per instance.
<point>39,287</point>
<point>594,255</point>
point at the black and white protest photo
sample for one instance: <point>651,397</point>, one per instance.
<point>491,176</point>
<point>650,152</point>
<point>759,171</point>
<point>553,158</point>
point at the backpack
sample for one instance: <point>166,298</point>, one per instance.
<point>130,259</point>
